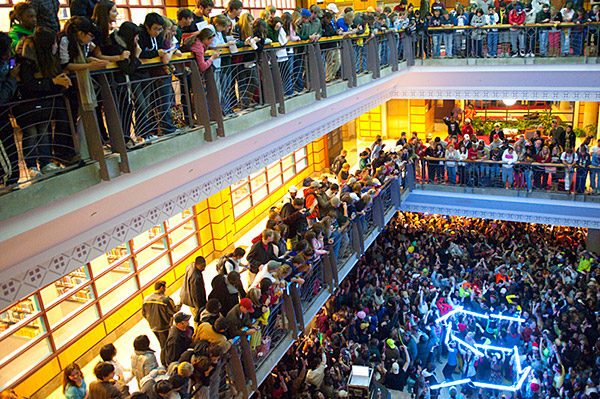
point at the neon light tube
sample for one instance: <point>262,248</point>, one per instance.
<point>518,361</point>
<point>470,312</point>
<point>494,348</point>
<point>472,349</point>
<point>450,383</point>
<point>522,378</point>
<point>510,318</point>
<point>494,386</point>
<point>448,334</point>
<point>450,313</point>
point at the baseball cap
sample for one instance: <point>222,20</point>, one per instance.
<point>467,137</point>
<point>180,316</point>
<point>467,120</point>
<point>305,13</point>
<point>518,8</point>
<point>293,189</point>
<point>333,8</point>
<point>496,136</point>
<point>395,368</point>
<point>306,182</point>
<point>391,343</point>
<point>496,124</point>
<point>370,9</point>
<point>315,184</point>
<point>246,303</point>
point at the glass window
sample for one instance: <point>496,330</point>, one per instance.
<point>154,270</point>
<point>20,311</point>
<point>178,219</point>
<point>275,183</point>
<point>287,161</point>
<point>240,192</point>
<point>183,249</point>
<point>117,296</point>
<point>259,181</point>
<point>66,284</point>
<point>182,231</point>
<point>102,262</point>
<point>301,153</point>
<point>289,173</point>
<point>242,207</point>
<point>146,237</point>
<point>114,276</point>
<point>301,165</point>
<point>22,364</point>
<point>274,171</point>
<point>14,342</point>
<point>259,194</point>
<point>75,326</point>
<point>69,306</point>
<point>154,250</point>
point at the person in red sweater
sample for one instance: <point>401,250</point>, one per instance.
<point>516,18</point>
<point>205,39</point>
<point>467,128</point>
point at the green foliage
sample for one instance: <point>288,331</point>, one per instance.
<point>591,130</point>
<point>534,119</point>
<point>579,132</point>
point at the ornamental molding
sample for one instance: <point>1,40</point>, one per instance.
<point>550,94</point>
<point>507,215</point>
<point>61,261</point>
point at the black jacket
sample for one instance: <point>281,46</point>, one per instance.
<point>259,256</point>
<point>177,343</point>
<point>158,309</point>
<point>220,292</point>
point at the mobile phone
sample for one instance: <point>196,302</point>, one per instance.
<point>175,47</point>
<point>12,62</point>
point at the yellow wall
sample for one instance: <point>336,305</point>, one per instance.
<point>422,114</point>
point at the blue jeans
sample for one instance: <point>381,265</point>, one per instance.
<point>164,99</point>
<point>543,43</point>
<point>507,175</point>
<point>361,58</point>
<point>577,39</point>
<point>492,43</point>
<point>298,72</point>
<point>565,38</point>
<point>451,174</point>
<point>383,51</point>
<point>448,42</point>
<point>528,174</point>
<point>437,44</point>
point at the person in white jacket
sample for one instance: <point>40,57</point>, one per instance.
<point>316,373</point>
<point>508,159</point>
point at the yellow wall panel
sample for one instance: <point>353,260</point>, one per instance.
<point>116,319</point>
<point>417,119</point>
<point>216,214</point>
<point>219,231</point>
<point>214,201</point>
<point>205,235</point>
<point>207,249</point>
<point>38,379</point>
<point>202,205</point>
<point>203,218</point>
<point>73,352</point>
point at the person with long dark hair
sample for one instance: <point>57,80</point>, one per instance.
<point>73,383</point>
<point>104,18</point>
<point>42,79</point>
<point>129,90</point>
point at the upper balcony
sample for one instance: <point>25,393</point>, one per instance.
<point>226,125</point>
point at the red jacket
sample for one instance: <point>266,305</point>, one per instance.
<point>514,18</point>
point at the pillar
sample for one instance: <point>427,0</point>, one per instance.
<point>593,240</point>
<point>590,113</point>
<point>564,105</point>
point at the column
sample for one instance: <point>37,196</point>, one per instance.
<point>590,113</point>
<point>593,240</point>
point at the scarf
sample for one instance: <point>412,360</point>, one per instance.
<point>84,82</point>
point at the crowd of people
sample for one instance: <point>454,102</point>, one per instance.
<point>548,160</point>
<point>421,267</point>
<point>45,67</point>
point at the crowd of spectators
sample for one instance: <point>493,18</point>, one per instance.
<point>41,61</point>
<point>384,313</point>
<point>548,160</point>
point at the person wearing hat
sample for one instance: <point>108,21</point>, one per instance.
<point>179,339</point>
<point>288,198</point>
<point>158,309</point>
<point>239,317</point>
<point>193,292</point>
<point>467,128</point>
<point>309,26</point>
<point>516,18</point>
<point>266,271</point>
<point>311,201</point>
<point>143,360</point>
<point>332,7</point>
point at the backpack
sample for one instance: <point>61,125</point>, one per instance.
<point>221,269</point>
<point>337,165</point>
